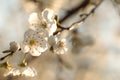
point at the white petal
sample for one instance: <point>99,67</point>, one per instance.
<point>48,15</point>
<point>25,48</point>
<point>28,34</point>
<point>51,28</point>
<point>63,40</point>
<point>14,72</point>
<point>41,32</point>
<point>33,18</point>
<point>34,52</point>
<point>30,72</point>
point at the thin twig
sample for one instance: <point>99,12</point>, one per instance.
<point>82,20</point>
<point>87,15</point>
<point>5,56</point>
<point>91,12</point>
<point>74,10</point>
<point>10,53</point>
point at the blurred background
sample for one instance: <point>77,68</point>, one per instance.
<point>96,55</point>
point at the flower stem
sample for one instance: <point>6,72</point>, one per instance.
<point>24,63</point>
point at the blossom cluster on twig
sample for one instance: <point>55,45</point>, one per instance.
<point>44,34</point>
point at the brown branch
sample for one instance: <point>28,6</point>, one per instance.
<point>7,51</point>
<point>87,15</point>
<point>74,10</point>
<point>91,12</point>
<point>82,20</point>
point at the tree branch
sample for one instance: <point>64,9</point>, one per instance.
<point>74,10</point>
<point>82,20</point>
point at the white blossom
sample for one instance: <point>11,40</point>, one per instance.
<point>60,47</point>
<point>14,46</point>
<point>35,42</point>
<point>45,20</point>
<point>48,17</point>
<point>14,72</point>
<point>27,71</point>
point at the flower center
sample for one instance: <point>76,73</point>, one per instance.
<point>44,25</point>
<point>61,44</point>
<point>32,42</point>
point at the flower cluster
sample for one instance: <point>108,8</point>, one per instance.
<point>27,71</point>
<point>60,47</point>
<point>39,37</point>
<point>44,34</point>
<point>35,42</point>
